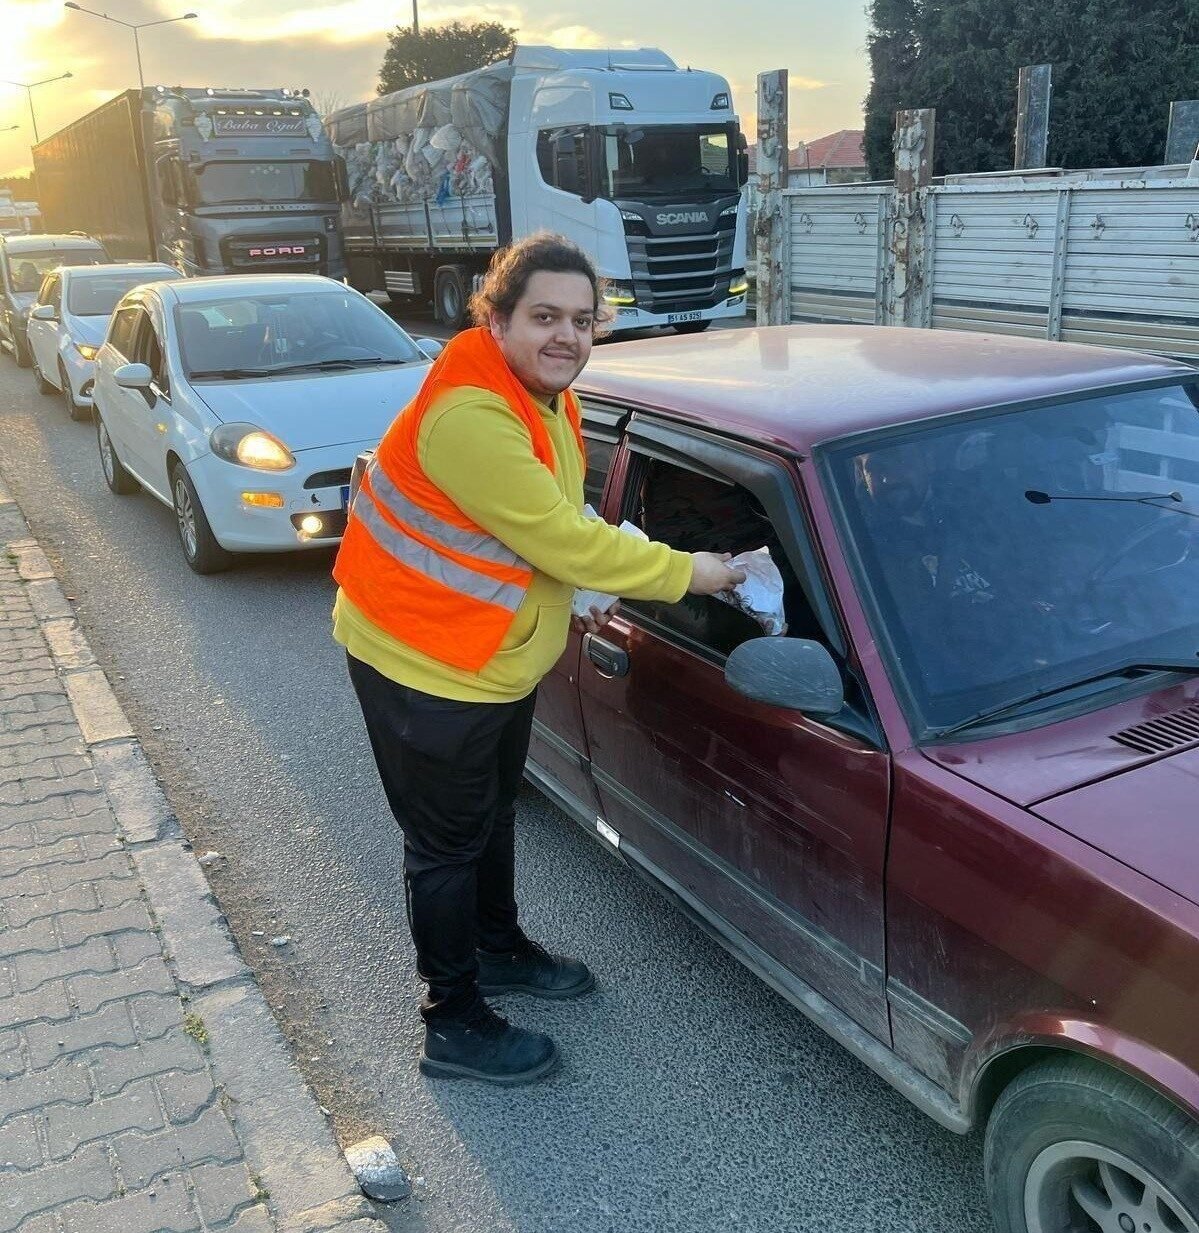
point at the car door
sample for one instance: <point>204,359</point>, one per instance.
<point>43,335</point>
<point>558,758</point>
<point>769,824</point>
<point>124,411</point>
<point>150,415</point>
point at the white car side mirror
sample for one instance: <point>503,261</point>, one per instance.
<point>432,347</point>
<point>44,312</point>
<point>133,376</point>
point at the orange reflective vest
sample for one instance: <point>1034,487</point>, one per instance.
<point>411,561</point>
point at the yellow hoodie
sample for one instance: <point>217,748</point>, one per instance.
<point>478,453</point>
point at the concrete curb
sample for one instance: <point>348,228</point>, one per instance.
<point>287,1142</point>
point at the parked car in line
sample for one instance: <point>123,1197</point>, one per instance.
<point>953,814</point>
<point>68,322</point>
<point>25,260</point>
<point>242,402</point>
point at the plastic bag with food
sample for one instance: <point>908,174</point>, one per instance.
<point>761,594</point>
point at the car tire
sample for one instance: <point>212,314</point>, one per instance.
<point>74,410</point>
<point>691,327</point>
<point>451,299</point>
<point>115,476</point>
<point>43,386</point>
<point>1071,1144</point>
<point>200,548</point>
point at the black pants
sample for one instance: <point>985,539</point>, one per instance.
<point>451,771</point>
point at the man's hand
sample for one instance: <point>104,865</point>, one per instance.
<point>594,621</point>
<point>710,573</point>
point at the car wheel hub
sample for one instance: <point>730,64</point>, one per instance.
<point>106,459</point>
<point>186,514</point>
<point>1080,1187</point>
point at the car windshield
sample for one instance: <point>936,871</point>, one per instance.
<point>278,333</point>
<point>669,160</point>
<point>237,183</point>
<point>29,268</point>
<point>1028,551</point>
<point>96,295</point>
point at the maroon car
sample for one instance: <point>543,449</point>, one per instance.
<point>953,812</point>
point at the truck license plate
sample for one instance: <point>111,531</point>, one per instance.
<point>679,318</point>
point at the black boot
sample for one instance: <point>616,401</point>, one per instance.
<point>532,969</point>
<point>482,1045</point>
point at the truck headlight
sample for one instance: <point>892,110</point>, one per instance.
<point>249,446</point>
<point>619,293</point>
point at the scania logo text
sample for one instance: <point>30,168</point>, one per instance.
<point>675,218</point>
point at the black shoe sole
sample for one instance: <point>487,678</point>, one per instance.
<point>449,1070</point>
<point>536,991</point>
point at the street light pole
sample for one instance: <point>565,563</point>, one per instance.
<point>415,19</point>
<point>28,87</point>
<point>135,27</point>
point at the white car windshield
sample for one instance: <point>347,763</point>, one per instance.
<point>1022,554</point>
<point>261,335</point>
<point>97,294</point>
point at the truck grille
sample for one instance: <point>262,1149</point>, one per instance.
<point>679,273</point>
<point>278,254</point>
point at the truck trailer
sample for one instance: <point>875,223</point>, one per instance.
<point>638,161</point>
<point>210,180</point>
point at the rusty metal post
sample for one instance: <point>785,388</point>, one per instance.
<point>1183,135</point>
<point>908,242</point>
<point>1032,115</point>
<point>770,228</point>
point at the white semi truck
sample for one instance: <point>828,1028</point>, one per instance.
<point>638,161</point>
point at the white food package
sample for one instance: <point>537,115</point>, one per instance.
<point>761,594</point>
<point>584,601</point>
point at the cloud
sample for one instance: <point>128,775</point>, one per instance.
<point>795,82</point>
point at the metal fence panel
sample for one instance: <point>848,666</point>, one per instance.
<point>834,253</point>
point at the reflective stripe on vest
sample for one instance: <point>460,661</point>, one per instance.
<point>471,543</point>
<point>420,557</point>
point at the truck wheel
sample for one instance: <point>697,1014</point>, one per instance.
<point>1073,1146</point>
<point>691,327</point>
<point>200,548</point>
<point>450,296</point>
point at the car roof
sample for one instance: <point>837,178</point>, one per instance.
<point>796,386</point>
<point>39,243</point>
<point>117,267</point>
<point>232,286</point>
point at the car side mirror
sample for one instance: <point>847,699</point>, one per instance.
<point>133,376</point>
<point>44,312</point>
<point>795,673</point>
<point>432,347</point>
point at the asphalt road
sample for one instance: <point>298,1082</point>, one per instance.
<point>692,1097</point>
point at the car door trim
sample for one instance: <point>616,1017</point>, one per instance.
<point>930,1099</point>
<point>558,745</point>
<point>864,972</point>
<point>928,1014</point>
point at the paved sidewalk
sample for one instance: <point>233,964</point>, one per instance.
<point>144,1085</point>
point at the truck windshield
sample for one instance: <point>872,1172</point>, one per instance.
<point>242,183</point>
<point>673,160</point>
<point>1030,550</point>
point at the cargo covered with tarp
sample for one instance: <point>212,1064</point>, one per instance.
<point>438,143</point>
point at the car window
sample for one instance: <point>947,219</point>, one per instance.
<point>147,349</point>
<point>29,268</point>
<point>120,333</point>
<point>46,293</point>
<point>96,295</point>
<point>698,513</point>
<point>599,462</point>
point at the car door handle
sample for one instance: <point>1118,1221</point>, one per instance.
<point>610,660</point>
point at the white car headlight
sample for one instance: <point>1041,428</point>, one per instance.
<point>86,350</point>
<point>250,447</point>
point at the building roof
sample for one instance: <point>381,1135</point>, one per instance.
<point>796,386</point>
<point>841,149</point>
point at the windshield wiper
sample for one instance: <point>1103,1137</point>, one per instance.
<point>1036,497</point>
<point>230,374</point>
<point>368,361</point>
<point>1012,705</point>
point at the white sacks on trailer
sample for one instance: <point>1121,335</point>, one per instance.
<point>426,143</point>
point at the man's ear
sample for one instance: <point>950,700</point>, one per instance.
<point>497,324</point>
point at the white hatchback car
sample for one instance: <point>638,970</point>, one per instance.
<point>68,323</point>
<point>242,402</point>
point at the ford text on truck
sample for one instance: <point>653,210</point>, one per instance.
<point>638,161</point>
<point>210,180</point>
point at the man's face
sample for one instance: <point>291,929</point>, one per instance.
<point>547,339</point>
<point>897,479</point>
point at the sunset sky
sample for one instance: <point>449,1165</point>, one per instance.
<point>335,47</point>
